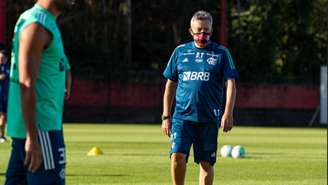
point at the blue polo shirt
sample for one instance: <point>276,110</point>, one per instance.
<point>200,74</point>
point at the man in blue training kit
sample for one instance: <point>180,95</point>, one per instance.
<point>197,74</point>
<point>4,86</point>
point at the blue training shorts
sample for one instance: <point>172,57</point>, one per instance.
<point>203,137</point>
<point>52,169</point>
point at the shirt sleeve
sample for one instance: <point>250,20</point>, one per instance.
<point>171,71</point>
<point>229,68</point>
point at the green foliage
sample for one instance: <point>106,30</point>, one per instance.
<point>280,40</point>
<point>271,41</point>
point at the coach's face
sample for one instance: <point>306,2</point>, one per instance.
<point>201,31</point>
<point>2,58</point>
<point>198,26</point>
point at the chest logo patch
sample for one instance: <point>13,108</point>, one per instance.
<point>196,76</point>
<point>199,57</point>
<point>211,61</point>
<point>185,60</point>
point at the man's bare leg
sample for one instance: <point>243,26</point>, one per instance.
<point>206,173</point>
<point>178,168</point>
<point>2,124</point>
<point>2,127</point>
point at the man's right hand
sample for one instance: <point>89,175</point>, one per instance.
<point>33,156</point>
<point>166,127</point>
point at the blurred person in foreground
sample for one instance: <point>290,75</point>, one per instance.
<point>37,89</point>
<point>197,74</point>
<point>4,86</point>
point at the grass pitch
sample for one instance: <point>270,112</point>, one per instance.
<point>138,155</point>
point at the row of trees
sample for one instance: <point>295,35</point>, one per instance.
<point>280,40</point>
<point>271,41</point>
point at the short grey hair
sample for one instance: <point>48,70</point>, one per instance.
<point>202,15</point>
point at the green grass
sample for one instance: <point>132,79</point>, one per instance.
<point>138,154</point>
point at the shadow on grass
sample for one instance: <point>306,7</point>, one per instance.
<point>2,174</point>
<point>260,155</point>
<point>97,175</point>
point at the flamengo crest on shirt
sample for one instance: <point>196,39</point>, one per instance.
<point>213,59</point>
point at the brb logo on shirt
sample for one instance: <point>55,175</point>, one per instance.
<point>193,75</point>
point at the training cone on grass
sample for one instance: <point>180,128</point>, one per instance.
<point>95,151</point>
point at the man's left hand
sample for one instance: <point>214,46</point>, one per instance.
<point>227,122</point>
